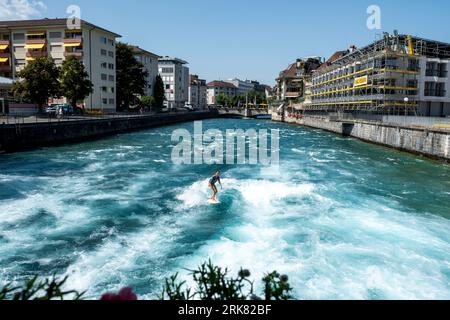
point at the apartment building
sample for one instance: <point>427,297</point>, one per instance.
<point>26,40</point>
<point>292,81</point>
<point>216,88</point>
<point>197,93</point>
<point>150,62</point>
<point>398,74</point>
<point>175,76</point>
<point>243,87</point>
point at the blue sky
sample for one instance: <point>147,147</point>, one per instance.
<point>251,39</point>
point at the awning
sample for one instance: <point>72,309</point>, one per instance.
<point>72,44</point>
<point>4,60</point>
<point>4,46</point>
<point>35,46</point>
<point>30,58</point>
<point>36,33</point>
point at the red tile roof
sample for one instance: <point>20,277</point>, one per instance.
<point>221,84</point>
<point>333,58</point>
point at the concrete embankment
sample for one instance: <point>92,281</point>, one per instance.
<point>18,137</point>
<point>432,143</point>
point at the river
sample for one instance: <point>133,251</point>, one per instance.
<point>344,219</point>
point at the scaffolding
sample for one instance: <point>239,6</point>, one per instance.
<point>381,78</point>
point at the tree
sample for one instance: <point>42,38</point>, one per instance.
<point>39,81</point>
<point>159,92</point>
<point>131,76</point>
<point>147,102</point>
<point>74,80</point>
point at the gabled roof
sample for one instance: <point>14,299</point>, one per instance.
<point>337,55</point>
<point>42,23</point>
<point>138,50</point>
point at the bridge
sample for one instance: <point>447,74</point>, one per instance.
<point>262,112</point>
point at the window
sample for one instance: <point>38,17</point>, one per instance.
<point>104,89</point>
<point>111,66</point>
<point>111,54</point>
<point>167,70</point>
<point>20,62</point>
<point>55,35</point>
<point>167,86</point>
<point>111,42</point>
<point>104,76</point>
<point>19,36</point>
<point>103,52</point>
<point>413,65</point>
<point>103,40</point>
<point>111,78</point>
<point>105,101</point>
<point>443,70</point>
<point>19,49</point>
<point>112,101</point>
<point>103,65</point>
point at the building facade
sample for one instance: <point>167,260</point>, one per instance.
<point>398,75</point>
<point>243,87</point>
<point>175,76</point>
<point>26,40</point>
<point>197,93</point>
<point>216,88</point>
<point>292,81</point>
<point>150,62</point>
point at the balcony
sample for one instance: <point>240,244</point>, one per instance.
<point>77,54</point>
<point>4,44</point>
<point>5,68</point>
<point>73,42</point>
<point>35,44</point>
<point>32,55</point>
<point>435,93</point>
<point>5,55</point>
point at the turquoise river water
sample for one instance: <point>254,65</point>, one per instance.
<point>344,219</point>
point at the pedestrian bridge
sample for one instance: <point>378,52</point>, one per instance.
<point>244,112</point>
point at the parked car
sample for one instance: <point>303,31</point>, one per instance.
<point>51,109</point>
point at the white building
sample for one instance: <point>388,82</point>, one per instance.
<point>197,93</point>
<point>26,40</point>
<point>150,62</point>
<point>243,87</point>
<point>434,84</point>
<point>216,88</point>
<point>175,76</point>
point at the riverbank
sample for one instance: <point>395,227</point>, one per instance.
<point>22,136</point>
<point>429,142</point>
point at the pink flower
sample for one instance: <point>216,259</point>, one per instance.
<point>126,294</point>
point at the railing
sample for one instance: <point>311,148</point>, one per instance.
<point>17,119</point>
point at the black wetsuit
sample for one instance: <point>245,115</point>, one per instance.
<point>214,180</point>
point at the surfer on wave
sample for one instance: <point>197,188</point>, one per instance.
<point>212,184</point>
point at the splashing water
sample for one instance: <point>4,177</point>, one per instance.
<point>344,219</point>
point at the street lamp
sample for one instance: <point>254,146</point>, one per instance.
<point>406,100</point>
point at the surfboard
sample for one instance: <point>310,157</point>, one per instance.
<point>213,201</point>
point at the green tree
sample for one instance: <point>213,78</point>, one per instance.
<point>74,80</point>
<point>147,102</point>
<point>38,81</point>
<point>131,77</point>
<point>222,100</point>
<point>159,92</point>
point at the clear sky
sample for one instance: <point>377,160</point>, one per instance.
<point>250,39</point>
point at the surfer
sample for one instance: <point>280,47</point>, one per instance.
<point>212,185</point>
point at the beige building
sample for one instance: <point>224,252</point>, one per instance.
<point>216,88</point>
<point>150,62</point>
<point>197,93</point>
<point>26,40</point>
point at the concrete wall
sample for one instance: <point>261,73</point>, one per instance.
<point>432,143</point>
<point>25,136</point>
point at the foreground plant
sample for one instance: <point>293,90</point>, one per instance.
<point>213,283</point>
<point>34,289</point>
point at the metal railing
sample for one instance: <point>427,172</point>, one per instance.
<point>23,119</point>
